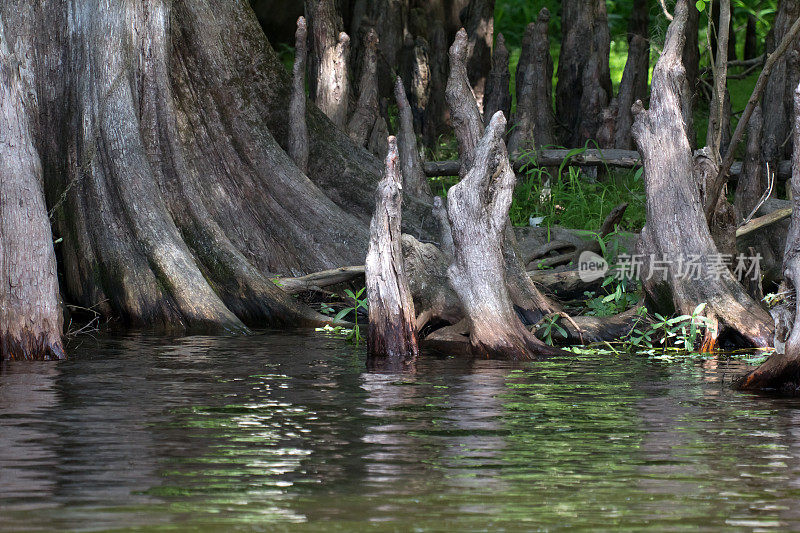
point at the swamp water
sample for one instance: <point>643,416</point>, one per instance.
<point>289,432</point>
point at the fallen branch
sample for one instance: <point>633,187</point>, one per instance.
<point>319,280</point>
<point>591,157</point>
<point>762,222</point>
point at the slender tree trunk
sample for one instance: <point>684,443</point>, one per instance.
<point>584,88</point>
<point>533,124</point>
<point>30,315</point>
<point>671,188</point>
<point>414,181</point>
<point>392,332</point>
<point>366,111</point>
<point>782,370</point>
<point>639,24</point>
<point>752,183</point>
<point>751,47</point>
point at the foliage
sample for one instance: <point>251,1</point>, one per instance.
<point>549,324</point>
<point>679,333</point>
<point>615,299</point>
<point>576,202</point>
<point>359,303</point>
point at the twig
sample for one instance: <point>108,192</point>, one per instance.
<point>764,197</point>
<point>666,12</point>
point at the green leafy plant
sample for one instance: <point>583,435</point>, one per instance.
<point>549,324</point>
<point>359,302</point>
<point>680,333</point>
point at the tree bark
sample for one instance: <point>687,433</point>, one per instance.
<point>31,320</point>
<point>639,25</point>
<point>298,130</point>
<point>414,182</point>
<point>533,123</point>
<point>776,103</point>
<point>583,89</point>
<point>478,20</point>
<point>752,183</point>
<point>392,330</point>
<point>167,219</point>
<point>366,111</point>
<point>498,94</point>
<point>465,114</point>
<point>637,69</point>
<point>751,48</point>
<point>477,208</point>
<point>782,370</point>
<point>671,188</point>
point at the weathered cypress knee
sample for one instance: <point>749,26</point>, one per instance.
<point>478,19</point>
<point>298,129</point>
<point>415,182</point>
<point>782,370</point>
<point>672,188</point>
<point>366,110</point>
<point>533,120</point>
<point>478,211</point>
<point>498,95</point>
<point>636,69</point>
<point>392,330</point>
<point>464,113</point>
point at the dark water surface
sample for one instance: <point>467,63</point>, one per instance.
<point>289,432</point>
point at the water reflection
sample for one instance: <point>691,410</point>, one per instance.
<point>292,429</point>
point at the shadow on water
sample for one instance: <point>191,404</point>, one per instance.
<point>290,431</point>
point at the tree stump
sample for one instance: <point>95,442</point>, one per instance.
<point>392,323</point>
<point>782,370</point>
<point>478,211</point>
<point>533,120</point>
<point>498,95</point>
<point>673,191</point>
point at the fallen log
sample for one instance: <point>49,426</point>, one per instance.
<point>319,280</point>
<point>392,335</point>
<point>590,157</point>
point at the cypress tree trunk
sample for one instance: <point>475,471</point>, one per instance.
<point>583,89</point>
<point>672,188</point>
<point>174,200</point>
<point>30,315</point>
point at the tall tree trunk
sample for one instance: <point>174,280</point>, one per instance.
<point>751,47</point>
<point>298,132</point>
<point>776,104</point>
<point>752,182</point>
<point>30,315</point>
<point>583,89</point>
<point>782,370</point>
<point>671,188</point>
<point>533,125</point>
<point>639,24</point>
<point>366,111</point>
<point>691,64</point>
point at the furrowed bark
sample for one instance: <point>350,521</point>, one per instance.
<point>468,125</point>
<point>752,183</point>
<point>478,19</point>
<point>639,25</point>
<point>420,87</point>
<point>366,111</point>
<point>478,212</point>
<point>636,69</point>
<point>498,95</point>
<point>31,320</point>
<point>717,119</point>
<point>777,101</point>
<point>782,370</point>
<point>671,188</point>
<point>414,182</point>
<point>325,25</point>
<point>464,112</point>
<point>377,144</point>
<point>533,123</point>
<point>435,115</point>
<point>333,81</point>
<point>167,221</point>
<point>392,322</point>
<point>298,130</point>
<point>584,87</point>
